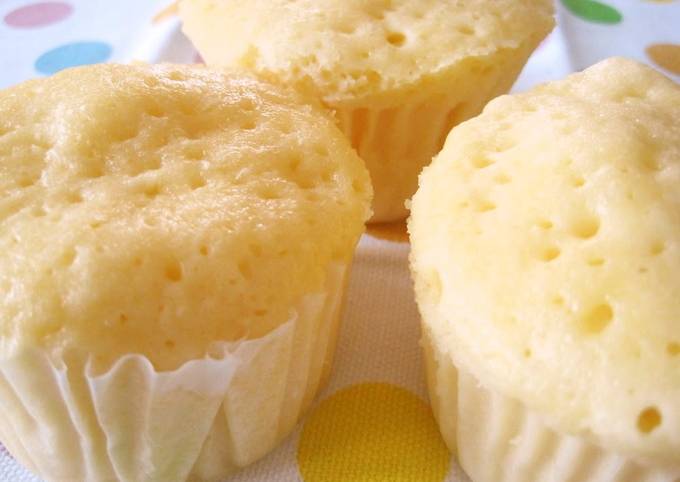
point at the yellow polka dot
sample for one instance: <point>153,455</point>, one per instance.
<point>372,432</point>
<point>666,56</point>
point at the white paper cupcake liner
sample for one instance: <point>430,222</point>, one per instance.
<point>198,422</point>
<point>397,141</point>
<point>498,439</point>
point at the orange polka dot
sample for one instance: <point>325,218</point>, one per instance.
<point>666,56</point>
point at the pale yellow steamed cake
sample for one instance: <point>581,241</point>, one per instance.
<point>399,74</point>
<point>131,202</point>
<point>156,212</point>
<point>545,245</point>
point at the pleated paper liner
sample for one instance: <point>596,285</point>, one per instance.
<point>201,421</point>
<point>498,439</point>
<point>396,142</point>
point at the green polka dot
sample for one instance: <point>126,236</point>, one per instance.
<point>593,11</point>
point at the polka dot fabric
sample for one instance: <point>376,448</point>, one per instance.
<point>37,15</point>
<point>72,55</point>
<point>645,30</point>
<point>42,38</point>
<point>372,422</point>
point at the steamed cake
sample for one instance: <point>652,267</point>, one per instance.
<point>545,240</point>
<point>398,74</point>
<point>178,237</point>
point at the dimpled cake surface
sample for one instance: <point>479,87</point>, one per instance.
<point>347,50</point>
<point>156,209</point>
<point>546,238</point>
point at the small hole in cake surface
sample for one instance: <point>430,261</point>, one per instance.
<point>248,125</point>
<point>673,349</point>
<point>502,178</point>
<point>503,144</point>
<point>549,253</point>
<point>256,249</point>
<point>481,162</point>
<point>396,39</point>
<point>173,271</point>
<point>651,164</point>
<point>357,186</point>
<point>269,193</point>
<point>203,250</point>
<point>434,283</point>
<point>294,164</point>
<point>596,261</point>
<point>578,181</point>
<point>657,248</point>
<point>176,76</point>
<point>346,28</point>
<point>153,110</point>
<point>528,353</point>
<point>197,182</point>
<point>376,13</point>
<point>544,224</point>
<point>152,191</point>
<point>244,268</point>
<point>122,318</point>
<point>247,104</point>
<point>285,129</point>
<point>74,197</point>
<point>26,182</point>
<point>38,211</point>
<point>484,205</point>
<point>598,318</point>
<point>169,344</point>
<point>151,81</point>
<point>68,257</point>
<point>649,420</point>
<point>557,300</point>
<point>260,312</point>
<point>94,172</point>
<point>585,227</point>
<point>627,95</point>
<point>465,30</point>
<point>194,153</point>
<point>123,132</point>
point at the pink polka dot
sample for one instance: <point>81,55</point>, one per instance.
<point>38,14</point>
<point>198,59</point>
